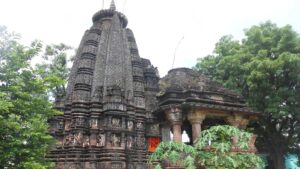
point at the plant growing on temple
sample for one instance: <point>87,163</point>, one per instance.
<point>227,147</point>
<point>24,106</point>
<point>264,67</point>
<point>219,147</point>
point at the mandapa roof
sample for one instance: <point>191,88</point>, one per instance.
<point>189,87</point>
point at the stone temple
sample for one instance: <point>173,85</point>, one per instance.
<point>117,109</point>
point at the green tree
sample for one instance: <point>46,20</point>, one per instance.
<point>215,149</point>
<point>265,68</point>
<point>227,147</point>
<point>24,106</point>
<point>55,68</point>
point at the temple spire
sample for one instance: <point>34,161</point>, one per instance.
<point>112,5</point>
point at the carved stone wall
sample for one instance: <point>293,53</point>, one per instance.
<point>110,95</point>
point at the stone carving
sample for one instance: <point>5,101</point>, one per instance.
<point>116,166</point>
<point>59,165</point>
<point>67,125</point>
<point>79,121</point>
<point>60,125</point>
<point>100,140</point>
<point>139,125</point>
<point>69,140</point>
<point>129,142</point>
<point>115,122</point>
<point>115,140</point>
<point>174,114</point>
<point>154,127</point>
<point>93,166</point>
<point>130,125</point>
<point>110,82</point>
<point>70,165</point>
<point>140,141</point>
<point>116,90</point>
<point>78,138</point>
<point>98,93</point>
<point>93,123</point>
<point>86,141</point>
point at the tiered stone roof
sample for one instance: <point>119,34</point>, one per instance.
<point>191,88</point>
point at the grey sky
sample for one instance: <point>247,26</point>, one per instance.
<point>158,25</point>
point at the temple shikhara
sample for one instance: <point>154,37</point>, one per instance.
<point>117,109</point>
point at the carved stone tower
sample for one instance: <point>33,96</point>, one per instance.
<point>112,118</point>
<point>110,96</point>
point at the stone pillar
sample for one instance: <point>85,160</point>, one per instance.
<point>196,130</point>
<point>177,136</point>
<point>174,116</point>
<point>238,121</point>
<point>196,118</point>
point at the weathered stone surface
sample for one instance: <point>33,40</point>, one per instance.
<point>111,107</point>
<point>106,104</point>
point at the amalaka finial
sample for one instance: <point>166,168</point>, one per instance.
<point>112,5</point>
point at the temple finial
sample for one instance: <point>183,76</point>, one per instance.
<point>112,5</point>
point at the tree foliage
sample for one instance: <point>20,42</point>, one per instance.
<point>265,68</point>
<point>213,150</point>
<point>55,68</point>
<point>24,106</point>
<point>217,149</point>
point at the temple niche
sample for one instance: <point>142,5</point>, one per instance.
<point>117,109</point>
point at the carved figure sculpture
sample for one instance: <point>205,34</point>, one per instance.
<point>67,125</point>
<point>86,141</point>
<point>101,140</point>
<point>130,125</point>
<point>129,142</point>
<point>93,123</point>
<point>69,139</point>
<point>115,122</point>
<point>78,138</point>
<point>115,140</point>
<point>139,125</point>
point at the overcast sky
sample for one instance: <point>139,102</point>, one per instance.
<point>158,25</point>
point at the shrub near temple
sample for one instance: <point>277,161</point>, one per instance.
<point>220,147</point>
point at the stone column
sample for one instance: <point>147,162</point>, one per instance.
<point>177,136</point>
<point>196,129</point>
<point>196,118</point>
<point>238,121</point>
<point>174,116</point>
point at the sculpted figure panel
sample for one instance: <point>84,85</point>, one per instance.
<point>101,140</point>
<point>69,140</point>
<point>116,122</point>
<point>115,140</point>
<point>139,125</point>
<point>129,142</point>
<point>86,141</point>
<point>78,138</point>
<point>130,125</point>
<point>93,123</point>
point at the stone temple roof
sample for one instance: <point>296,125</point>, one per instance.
<point>105,14</point>
<point>189,87</point>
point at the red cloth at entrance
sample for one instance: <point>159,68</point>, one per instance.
<point>153,143</point>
